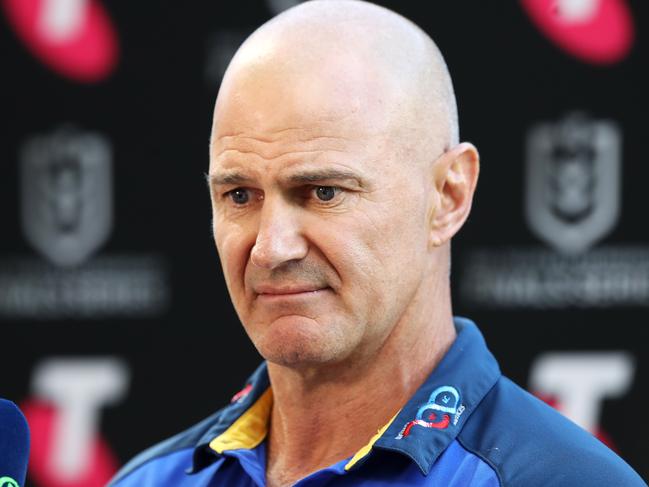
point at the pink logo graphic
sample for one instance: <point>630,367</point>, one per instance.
<point>595,31</point>
<point>242,394</point>
<point>44,422</point>
<point>432,422</point>
<point>75,38</point>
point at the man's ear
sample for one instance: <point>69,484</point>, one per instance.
<point>455,175</point>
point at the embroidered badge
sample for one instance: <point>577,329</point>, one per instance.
<point>443,404</point>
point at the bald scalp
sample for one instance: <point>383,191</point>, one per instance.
<point>360,57</point>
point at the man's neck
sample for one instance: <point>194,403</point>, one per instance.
<point>324,415</point>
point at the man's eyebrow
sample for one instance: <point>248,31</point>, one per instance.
<point>318,175</point>
<point>227,178</point>
<point>302,177</point>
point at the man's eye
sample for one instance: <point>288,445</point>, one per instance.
<point>239,196</point>
<point>326,193</point>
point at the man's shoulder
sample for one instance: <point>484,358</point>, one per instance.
<point>169,451</point>
<point>529,443</point>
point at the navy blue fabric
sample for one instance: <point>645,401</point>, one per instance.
<point>14,443</point>
<point>467,425</point>
<point>244,468</point>
<point>531,444</point>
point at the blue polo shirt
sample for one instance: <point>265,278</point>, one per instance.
<point>467,425</point>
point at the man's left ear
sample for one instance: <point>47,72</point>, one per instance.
<point>455,175</point>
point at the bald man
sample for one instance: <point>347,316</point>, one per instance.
<point>337,182</point>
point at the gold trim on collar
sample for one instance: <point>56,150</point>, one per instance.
<point>368,447</point>
<point>249,430</point>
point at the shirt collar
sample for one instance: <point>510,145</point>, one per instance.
<point>241,424</point>
<point>451,393</point>
<point>421,430</point>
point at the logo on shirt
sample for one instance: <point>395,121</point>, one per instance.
<point>442,408</point>
<point>242,394</point>
<point>8,482</point>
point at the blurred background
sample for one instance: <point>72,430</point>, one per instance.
<point>115,324</point>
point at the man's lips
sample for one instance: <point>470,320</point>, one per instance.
<point>270,291</point>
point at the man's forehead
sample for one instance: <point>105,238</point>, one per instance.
<point>277,103</point>
<point>297,124</point>
<point>273,136</point>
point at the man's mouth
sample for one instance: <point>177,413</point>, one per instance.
<point>274,291</point>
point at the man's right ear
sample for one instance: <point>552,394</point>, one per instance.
<point>455,176</point>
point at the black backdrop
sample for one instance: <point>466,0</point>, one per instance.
<point>124,334</point>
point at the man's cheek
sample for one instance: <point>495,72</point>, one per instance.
<point>231,247</point>
<point>234,270</point>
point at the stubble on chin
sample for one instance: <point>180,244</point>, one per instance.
<point>294,344</point>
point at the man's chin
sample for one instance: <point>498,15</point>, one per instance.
<point>298,341</point>
<point>296,358</point>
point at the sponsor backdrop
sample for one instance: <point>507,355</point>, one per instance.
<point>115,324</point>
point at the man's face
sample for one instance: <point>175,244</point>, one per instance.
<point>318,217</point>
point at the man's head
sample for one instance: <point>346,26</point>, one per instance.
<point>336,179</point>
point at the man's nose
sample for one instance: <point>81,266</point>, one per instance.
<point>279,239</point>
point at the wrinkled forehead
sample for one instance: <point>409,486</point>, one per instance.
<point>275,120</point>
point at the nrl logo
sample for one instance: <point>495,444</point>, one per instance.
<point>66,192</point>
<point>573,181</point>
